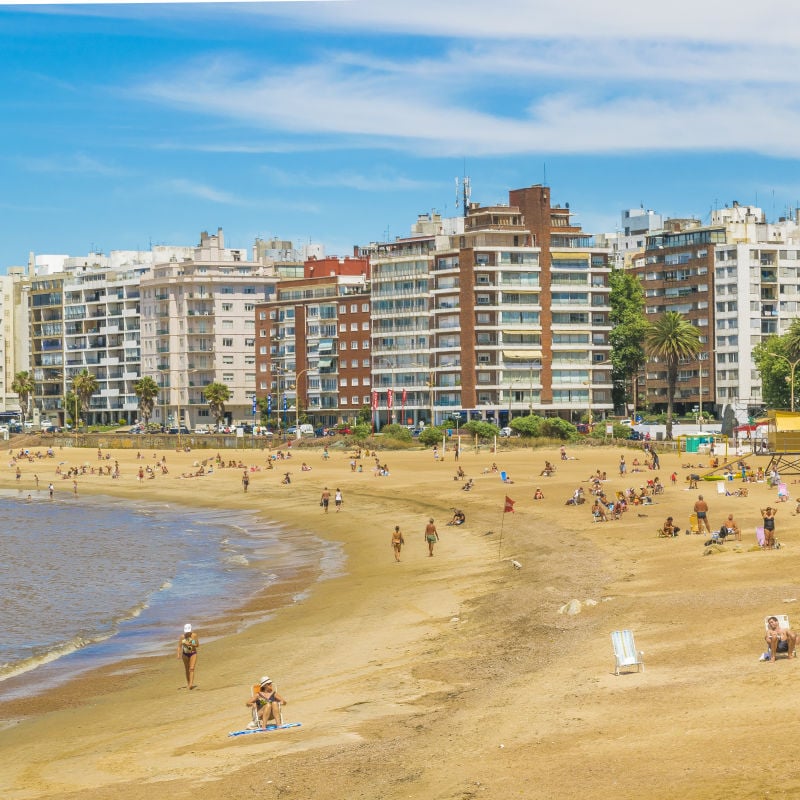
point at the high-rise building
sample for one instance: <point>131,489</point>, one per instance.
<point>508,314</point>
<point>198,327</point>
<point>313,343</point>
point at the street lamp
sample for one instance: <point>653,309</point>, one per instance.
<point>430,395</point>
<point>297,401</point>
<point>792,367</point>
<point>511,394</point>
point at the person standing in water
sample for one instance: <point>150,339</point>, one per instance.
<point>188,645</point>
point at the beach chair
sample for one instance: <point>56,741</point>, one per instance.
<point>694,526</point>
<point>721,487</point>
<point>625,652</point>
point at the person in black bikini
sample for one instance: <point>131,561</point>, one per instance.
<point>768,514</point>
<point>267,702</point>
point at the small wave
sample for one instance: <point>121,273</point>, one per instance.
<point>237,561</point>
<point>59,651</point>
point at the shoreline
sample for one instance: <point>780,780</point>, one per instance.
<point>461,654</point>
<point>274,556</point>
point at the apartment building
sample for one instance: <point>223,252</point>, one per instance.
<point>313,343</point>
<point>198,327</point>
<point>508,315</point>
<point>677,273</point>
<point>738,280</point>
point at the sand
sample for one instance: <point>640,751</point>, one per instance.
<point>454,676</point>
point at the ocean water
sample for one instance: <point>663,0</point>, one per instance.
<point>90,581</point>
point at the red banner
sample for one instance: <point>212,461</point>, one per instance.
<point>509,505</point>
<point>375,400</point>
<point>404,398</point>
<point>389,399</point>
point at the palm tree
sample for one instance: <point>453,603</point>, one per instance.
<point>84,385</point>
<point>24,386</point>
<point>672,339</point>
<point>792,340</point>
<point>146,389</point>
<point>217,394</point>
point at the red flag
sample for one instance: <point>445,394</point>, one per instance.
<point>375,400</point>
<point>509,505</point>
<point>389,398</point>
<point>404,398</point>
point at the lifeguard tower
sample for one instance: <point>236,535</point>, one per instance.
<point>783,439</point>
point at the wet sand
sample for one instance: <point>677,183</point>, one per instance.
<point>453,676</point>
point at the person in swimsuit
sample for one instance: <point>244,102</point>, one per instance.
<point>397,542</point>
<point>701,509</point>
<point>188,645</point>
<point>768,514</point>
<point>779,640</point>
<point>431,536</point>
<point>267,703</point>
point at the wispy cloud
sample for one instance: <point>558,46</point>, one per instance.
<point>199,190</point>
<point>73,164</point>
<point>359,102</point>
<point>378,181</point>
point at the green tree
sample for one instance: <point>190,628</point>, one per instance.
<point>671,339</point>
<point>146,389</point>
<point>526,426</point>
<point>216,395</point>
<point>84,385</point>
<point>23,386</point>
<point>557,428</point>
<point>364,416</point>
<point>431,435</point>
<point>629,326</point>
<point>396,431</point>
<point>484,430</point>
<point>773,358</point>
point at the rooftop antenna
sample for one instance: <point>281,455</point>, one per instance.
<point>544,174</point>
<point>463,193</point>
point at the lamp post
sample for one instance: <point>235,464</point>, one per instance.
<point>297,401</point>
<point>792,368</point>
<point>510,395</point>
<point>430,395</point>
<point>389,417</point>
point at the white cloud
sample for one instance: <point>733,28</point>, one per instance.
<point>377,181</point>
<point>77,163</point>
<point>770,21</point>
<point>199,190</point>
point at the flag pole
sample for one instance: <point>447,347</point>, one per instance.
<point>507,507</point>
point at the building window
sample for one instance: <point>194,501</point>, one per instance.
<point>354,399</point>
<point>227,342</point>
<point>227,377</point>
<point>365,344</point>
<point>342,309</point>
<point>227,360</point>
<point>354,381</point>
<point>227,306</point>
<point>354,308</point>
<point>365,307</point>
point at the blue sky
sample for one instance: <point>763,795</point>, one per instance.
<point>340,121</point>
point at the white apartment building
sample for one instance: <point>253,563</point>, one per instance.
<point>198,327</point>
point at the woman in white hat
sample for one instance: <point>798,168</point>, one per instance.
<point>267,703</point>
<point>188,645</point>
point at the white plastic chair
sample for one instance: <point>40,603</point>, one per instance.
<point>625,652</point>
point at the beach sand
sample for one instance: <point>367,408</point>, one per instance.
<point>454,676</point>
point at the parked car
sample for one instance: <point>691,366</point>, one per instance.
<point>506,432</point>
<point>182,430</point>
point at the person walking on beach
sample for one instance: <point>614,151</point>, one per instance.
<point>337,499</point>
<point>50,489</point>
<point>622,466</point>
<point>431,536</point>
<point>701,509</point>
<point>325,499</point>
<point>397,542</point>
<point>245,481</point>
<point>188,645</point>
